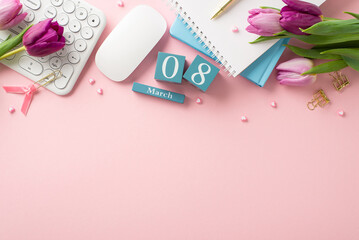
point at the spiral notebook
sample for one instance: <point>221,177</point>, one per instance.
<point>233,50</point>
<point>258,72</point>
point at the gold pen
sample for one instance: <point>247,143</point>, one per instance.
<point>222,9</point>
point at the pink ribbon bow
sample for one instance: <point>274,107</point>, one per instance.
<point>28,91</point>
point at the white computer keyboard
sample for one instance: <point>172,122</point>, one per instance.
<point>83,24</point>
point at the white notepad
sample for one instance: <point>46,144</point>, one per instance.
<point>233,49</point>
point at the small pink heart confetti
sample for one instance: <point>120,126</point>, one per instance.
<point>92,81</point>
<point>11,110</point>
<point>199,101</point>
<point>244,119</point>
<point>341,113</point>
<point>235,29</point>
<point>120,3</point>
<point>100,91</point>
<point>273,104</point>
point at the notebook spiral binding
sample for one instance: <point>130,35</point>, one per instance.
<point>202,38</point>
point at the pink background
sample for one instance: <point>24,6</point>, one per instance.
<point>128,166</point>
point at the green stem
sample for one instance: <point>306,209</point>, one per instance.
<point>6,55</point>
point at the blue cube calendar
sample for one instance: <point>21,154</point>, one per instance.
<point>170,67</point>
<point>201,73</point>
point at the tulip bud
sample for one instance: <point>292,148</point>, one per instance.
<point>290,72</point>
<point>44,38</point>
<point>299,15</point>
<point>264,22</point>
<point>9,10</point>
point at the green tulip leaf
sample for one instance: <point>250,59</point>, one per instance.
<point>350,44</point>
<point>347,52</point>
<point>327,67</point>
<point>10,43</point>
<point>353,63</point>
<point>353,14</point>
<point>264,7</point>
<point>332,28</point>
<point>312,53</point>
<point>330,19</point>
<point>324,40</point>
<point>263,38</point>
<point>280,33</point>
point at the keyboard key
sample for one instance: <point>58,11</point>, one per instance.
<point>74,26</point>
<point>67,70</point>
<point>93,20</point>
<point>55,63</point>
<point>50,12</point>
<point>30,65</point>
<point>33,4</point>
<point>13,32</point>
<point>47,72</point>
<point>70,38</point>
<point>4,35</point>
<point>69,7</point>
<point>87,33</point>
<point>62,52</point>
<point>20,27</point>
<point>10,57</point>
<point>44,59</point>
<point>63,19</point>
<point>30,16</point>
<point>74,57</point>
<point>81,14</point>
<point>57,3</point>
<point>80,45</point>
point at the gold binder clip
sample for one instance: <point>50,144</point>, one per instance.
<point>319,99</point>
<point>340,81</point>
<point>48,79</point>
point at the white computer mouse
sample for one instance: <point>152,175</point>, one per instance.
<point>130,42</point>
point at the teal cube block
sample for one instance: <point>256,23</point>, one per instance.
<point>201,73</point>
<point>170,67</point>
<point>157,92</point>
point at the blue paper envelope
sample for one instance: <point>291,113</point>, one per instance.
<point>258,72</point>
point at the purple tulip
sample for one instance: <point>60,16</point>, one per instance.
<point>264,22</point>
<point>44,38</point>
<point>290,72</point>
<point>299,15</point>
<point>9,10</point>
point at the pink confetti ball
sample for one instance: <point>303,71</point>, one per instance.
<point>92,81</point>
<point>341,113</point>
<point>11,110</point>
<point>244,119</point>
<point>235,29</point>
<point>199,101</point>
<point>100,91</point>
<point>120,3</point>
<point>273,104</point>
